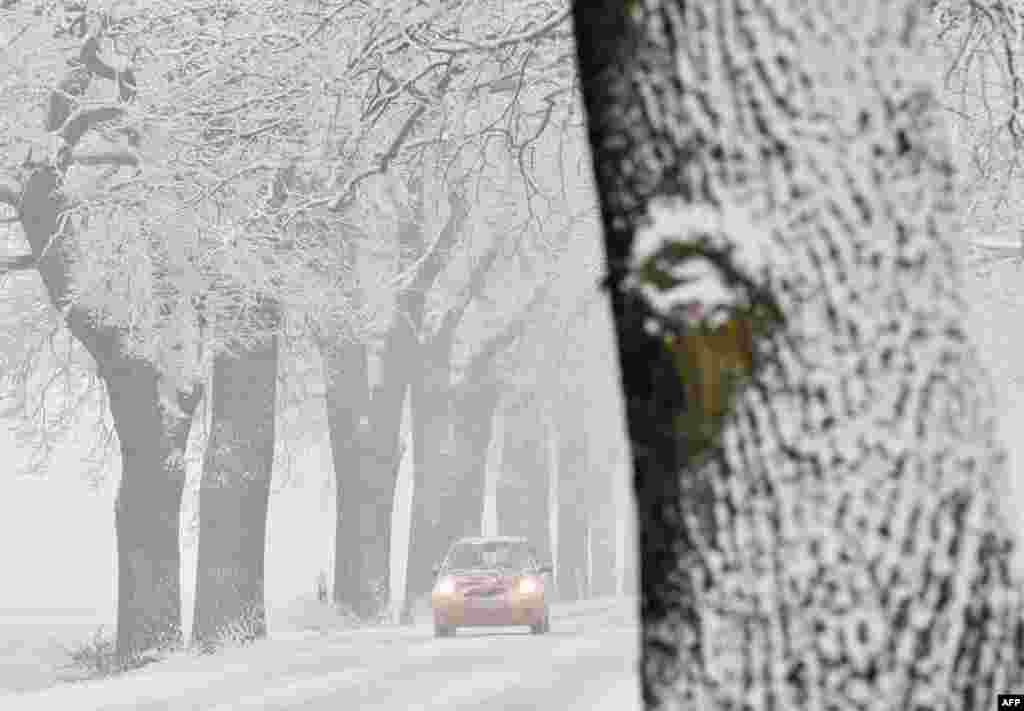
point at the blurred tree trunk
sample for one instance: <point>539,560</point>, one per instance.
<point>433,464</point>
<point>234,492</point>
<point>476,404</point>
<point>601,523</point>
<point>552,449</point>
<point>151,414</point>
<point>826,532</point>
<point>366,484</point>
<point>571,573</point>
<point>475,413</point>
<point>523,488</point>
<point>449,495</point>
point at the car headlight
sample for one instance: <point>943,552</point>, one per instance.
<point>446,587</point>
<point>529,586</point>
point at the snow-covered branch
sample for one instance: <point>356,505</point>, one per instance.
<point>455,45</point>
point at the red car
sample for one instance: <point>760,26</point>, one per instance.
<point>492,581</point>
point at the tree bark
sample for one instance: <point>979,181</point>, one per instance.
<point>837,539</point>
<point>234,493</point>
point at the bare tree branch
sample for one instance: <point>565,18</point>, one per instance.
<point>474,287</point>
<point>121,158</point>
<point>430,264</point>
<point>481,364</point>
<point>86,120</point>
<point>465,45</point>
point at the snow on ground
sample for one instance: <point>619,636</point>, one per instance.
<point>312,662</point>
<point>33,647</point>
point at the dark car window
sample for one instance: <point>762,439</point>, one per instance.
<point>490,554</point>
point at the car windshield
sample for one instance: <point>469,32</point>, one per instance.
<point>503,555</point>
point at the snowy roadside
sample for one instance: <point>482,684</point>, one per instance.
<point>301,634</point>
<point>33,649</point>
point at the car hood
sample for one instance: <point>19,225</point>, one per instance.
<point>483,583</point>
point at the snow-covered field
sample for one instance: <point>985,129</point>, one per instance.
<point>586,662</point>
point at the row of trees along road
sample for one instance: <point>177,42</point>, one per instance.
<point>207,181</point>
<point>817,483</point>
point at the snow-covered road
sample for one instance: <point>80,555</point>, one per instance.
<point>587,662</point>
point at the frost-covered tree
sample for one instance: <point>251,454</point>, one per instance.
<point>450,488</point>
<point>819,488</point>
<point>235,490</point>
<point>151,405</point>
<point>365,419</point>
<point>453,92</point>
<point>151,194</point>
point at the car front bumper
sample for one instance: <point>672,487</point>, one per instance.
<point>511,609</point>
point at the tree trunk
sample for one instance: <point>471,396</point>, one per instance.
<point>449,497</point>
<point>493,472</point>
<point>826,531</point>
<point>234,493</point>
<point>552,449</point>
<point>152,420</point>
<point>523,488</point>
<point>367,498</point>
<point>475,405</point>
<point>601,520</point>
<point>597,488</point>
<point>146,511</point>
<point>433,465</point>
<point>365,432</point>
<point>571,573</point>
<point>346,372</point>
<point>152,440</point>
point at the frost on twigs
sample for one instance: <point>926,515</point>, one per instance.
<point>704,277</point>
